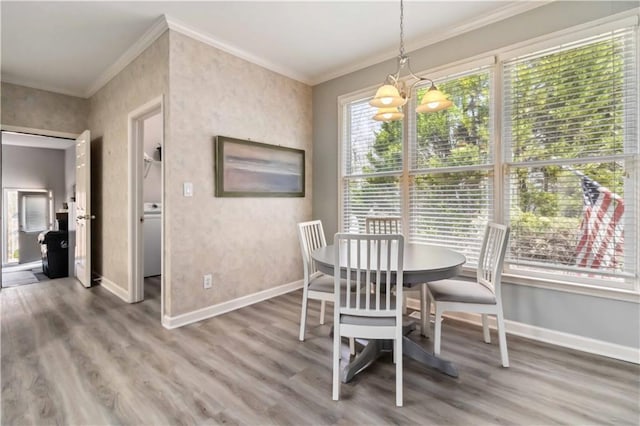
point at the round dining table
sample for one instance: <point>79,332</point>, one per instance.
<point>421,264</point>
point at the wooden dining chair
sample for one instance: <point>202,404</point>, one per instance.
<point>361,309</point>
<point>482,296</point>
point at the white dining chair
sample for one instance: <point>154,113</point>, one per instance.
<point>361,309</point>
<point>383,225</point>
<point>393,225</point>
<point>317,286</point>
<point>483,296</point>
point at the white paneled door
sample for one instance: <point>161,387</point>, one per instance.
<point>82,270</point>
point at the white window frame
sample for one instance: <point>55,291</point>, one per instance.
<point>631,283</point>
<point>459,70</point>
<point>498,56</point>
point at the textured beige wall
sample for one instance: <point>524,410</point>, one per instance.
<point>248,244</point>
<point>146,78</point>
<point>39,109</point>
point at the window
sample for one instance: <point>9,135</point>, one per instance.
<point>449,197</point>
<point>35,212</point>
<point>451,166</point>
<point>570,136</point>
<point>562,170</point>
<point>372,167</point>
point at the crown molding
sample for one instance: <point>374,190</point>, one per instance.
<point>207,39</point>
<point>151,35</point>
<point>33,84</point>
<point>164,23</point>
<point>470,25</point>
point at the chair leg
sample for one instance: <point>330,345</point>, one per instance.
<point>336,362</point>
<point>485,328</point>
<point>322,307</point>
<point>437,330</point>
<point>398,350</point>
<point>404,304</point>
<point>502,339</point>
<point>303,316</point>
<point>352,345</point>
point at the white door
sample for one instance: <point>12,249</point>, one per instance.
<point>82,270</point>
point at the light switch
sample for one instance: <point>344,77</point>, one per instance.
<point>188,189</point>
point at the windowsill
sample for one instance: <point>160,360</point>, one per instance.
<point>583,289</point>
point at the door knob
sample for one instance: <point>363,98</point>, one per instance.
<point>86,217</point>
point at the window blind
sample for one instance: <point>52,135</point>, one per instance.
<point>35,212</point>
<point>571,142</point>
<point>451,179</point>
<point>451,210</point>
<point>574,101</point>
<point>372,167</point>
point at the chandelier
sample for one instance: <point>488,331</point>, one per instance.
<point>394,93</point>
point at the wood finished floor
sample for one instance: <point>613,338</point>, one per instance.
<point>73,356</point>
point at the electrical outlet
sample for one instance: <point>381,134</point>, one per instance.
<point>207,281</point>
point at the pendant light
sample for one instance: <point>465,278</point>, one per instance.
<point>394,94</point>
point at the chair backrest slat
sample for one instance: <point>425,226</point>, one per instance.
<point>311,236</point>
<point>494,247</point>
<point>383,225</point>
<point>368,259</point>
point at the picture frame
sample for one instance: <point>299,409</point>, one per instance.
<point>245,168</point>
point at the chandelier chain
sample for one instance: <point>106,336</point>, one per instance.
<point>402,29</point>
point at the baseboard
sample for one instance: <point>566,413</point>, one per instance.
<point>231,305</point>
<point>558,338</point>
<point>112,287</point>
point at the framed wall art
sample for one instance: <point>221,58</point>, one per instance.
<point>252,169</point>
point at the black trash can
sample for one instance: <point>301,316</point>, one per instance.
<point>54,246</point>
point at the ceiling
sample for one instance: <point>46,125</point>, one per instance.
<point>75,47</point>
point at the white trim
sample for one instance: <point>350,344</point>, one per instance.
<point>342,102</point>
<point>135,120</point>
<point>576,288</point>
<point>38,132</point>
<point>228,306</point>
<point>112,287</point>
<point>558,338</point>
<point>470,25</point>
<point>147,39</point>
<point>184,29</point>
<point>564,286</point>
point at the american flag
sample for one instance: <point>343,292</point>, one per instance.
<point>602,237</point>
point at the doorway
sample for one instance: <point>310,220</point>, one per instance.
<point>37,190</point>
<point>146,219</point>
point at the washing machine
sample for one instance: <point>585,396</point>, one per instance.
<point>152,235</point>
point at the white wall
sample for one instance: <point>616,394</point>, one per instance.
<point>40,109</point>
<point>34,168</point>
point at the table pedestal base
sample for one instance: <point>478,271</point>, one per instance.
<point>375,348</point>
